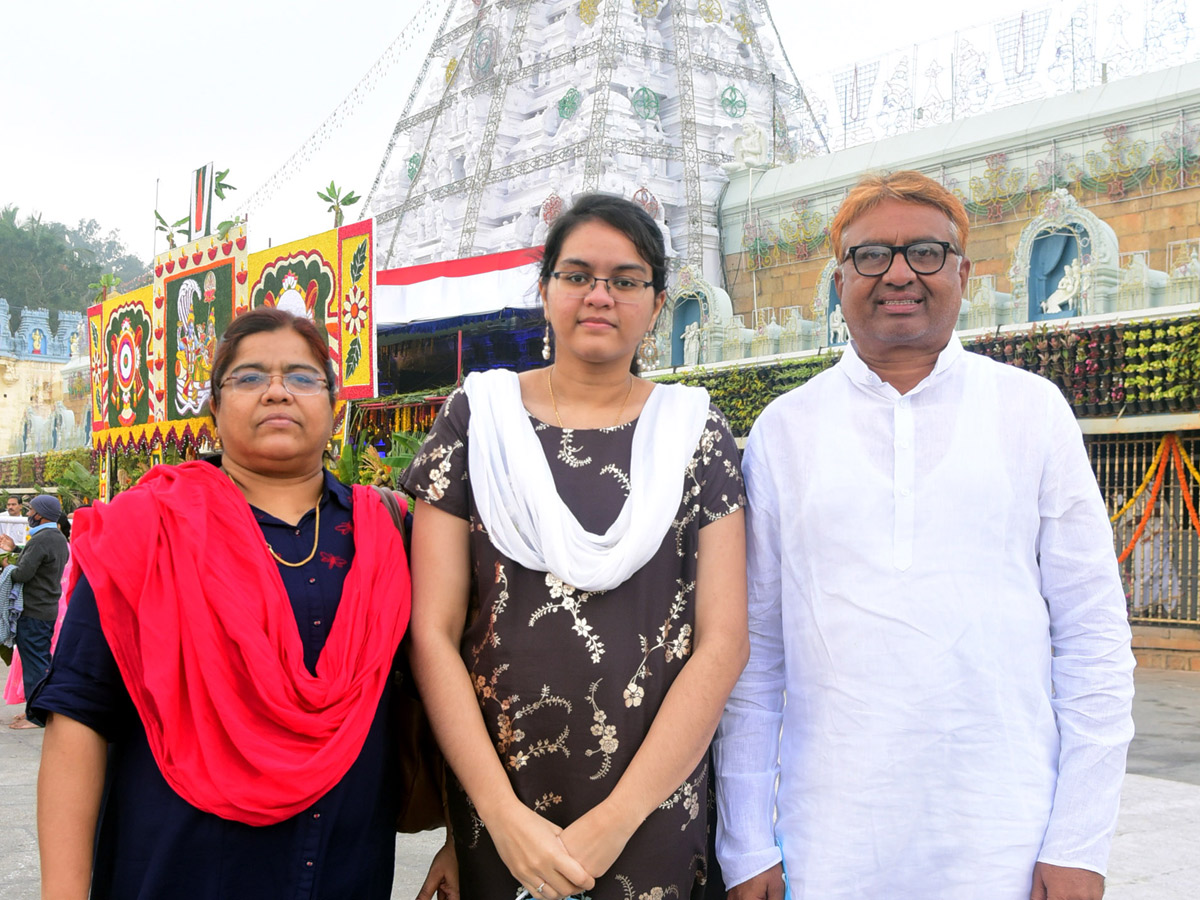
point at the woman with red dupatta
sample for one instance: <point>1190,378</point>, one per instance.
<point>218,704</point>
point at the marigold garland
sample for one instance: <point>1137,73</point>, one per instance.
<point>1158,454</point>
<point>1169,453</point>
<point>1187,461</point>
<point>1162,460</point>
<point>1176,450</point>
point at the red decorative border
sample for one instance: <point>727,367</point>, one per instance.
<point>460,268</point>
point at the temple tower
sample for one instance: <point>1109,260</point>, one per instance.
<point>522,105</point>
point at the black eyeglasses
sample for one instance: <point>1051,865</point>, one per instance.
<point>620,287</point>
<point>923,257</point>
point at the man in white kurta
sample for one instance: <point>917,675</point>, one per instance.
<point>934,590</point>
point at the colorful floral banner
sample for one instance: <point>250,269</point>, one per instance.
<point>198,307</point>
<point>299,277</point>
<point>152,350</point>
<point>351,320</point>
<point>126,370</point>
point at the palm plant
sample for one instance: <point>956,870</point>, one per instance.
<point>107,282</point>
<point>170,230</point>
<point>220,185</point>
<point>338,202</point>
<point>77,485</point>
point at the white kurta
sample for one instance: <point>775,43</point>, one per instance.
<point>933,584</point>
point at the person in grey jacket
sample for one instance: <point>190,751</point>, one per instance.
<point>39,569</point>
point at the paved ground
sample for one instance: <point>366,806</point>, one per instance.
<point>1154,855</point>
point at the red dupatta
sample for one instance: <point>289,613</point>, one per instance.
<point>204,636</point>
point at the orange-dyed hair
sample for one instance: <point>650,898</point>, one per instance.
<point>910,186</point>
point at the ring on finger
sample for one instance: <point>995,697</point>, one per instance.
<point>538,890</point>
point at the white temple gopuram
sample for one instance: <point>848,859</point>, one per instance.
<point>522,105</point>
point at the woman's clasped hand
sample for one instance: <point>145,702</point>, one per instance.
<point>536,855</point>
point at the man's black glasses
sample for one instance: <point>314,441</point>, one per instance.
<point>923,257</point>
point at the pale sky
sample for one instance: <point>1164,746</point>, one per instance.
<point>102,102</point>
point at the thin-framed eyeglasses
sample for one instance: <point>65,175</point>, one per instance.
<point>923,257</point>
<point>619,287</point>
<point>298,384</point>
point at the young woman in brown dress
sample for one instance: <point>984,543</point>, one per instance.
<point>579,611</point>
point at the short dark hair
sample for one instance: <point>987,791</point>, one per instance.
<point>625,216</point>
<point>257,321</point>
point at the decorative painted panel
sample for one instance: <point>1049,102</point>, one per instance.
<point>354,320</point>
<point>152,350</point>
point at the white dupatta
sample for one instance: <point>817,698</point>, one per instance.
<point>519,503</point>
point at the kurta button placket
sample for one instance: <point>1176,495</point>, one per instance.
<point>904,476</point>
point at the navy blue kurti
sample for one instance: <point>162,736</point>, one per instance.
<point>153,844</point>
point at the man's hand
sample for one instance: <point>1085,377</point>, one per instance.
<point>7,544</point>
<point>766,885</point>
<point>442,880</point>
<point>1061,883</point>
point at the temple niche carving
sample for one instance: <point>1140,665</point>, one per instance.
<point>983,306</point>
<point>829,326</point>
<point>41,408</point>
<point>797,332</point>
<point>750,149</point>
<point>1141,287</point>
<point>694,323</point>
<point>1182,283</point>
<point>767,333</point>
<point>1066,263</point>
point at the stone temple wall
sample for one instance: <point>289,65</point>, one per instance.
<point>40,409</point>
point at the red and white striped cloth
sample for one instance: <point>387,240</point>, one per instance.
<point>460,287</point>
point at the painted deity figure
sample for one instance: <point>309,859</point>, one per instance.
<point>292,299</point>
<point>207,347</point>
<point>195,346</point>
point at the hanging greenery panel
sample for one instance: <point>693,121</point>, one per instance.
<point>1126,369</point>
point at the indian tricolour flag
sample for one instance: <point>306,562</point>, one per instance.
<point>200,204</point>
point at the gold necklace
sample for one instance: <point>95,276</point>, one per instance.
<point>316,537</point>
<point>558,418</point>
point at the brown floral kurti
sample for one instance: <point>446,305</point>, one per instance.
<point>568,680</point>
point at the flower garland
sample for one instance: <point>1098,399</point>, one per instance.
<point>1159,467</point>
<point>1141,489</point>
<point>1176,452</point>
<point>1169,451</point>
